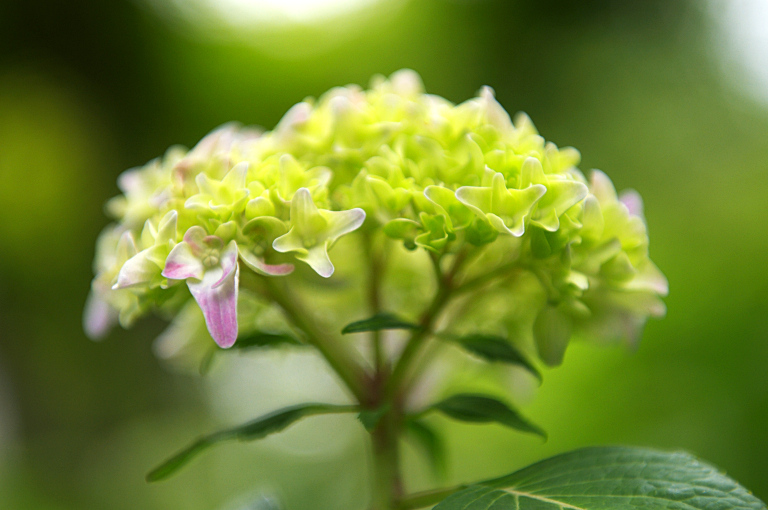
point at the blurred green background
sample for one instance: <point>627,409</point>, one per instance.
<point>655,93</point>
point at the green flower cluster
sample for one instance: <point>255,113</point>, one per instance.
<point>434,179</point>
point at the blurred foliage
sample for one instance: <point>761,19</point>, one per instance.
<point>90,88</point>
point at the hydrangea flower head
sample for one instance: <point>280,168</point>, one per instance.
<point>415,174</point>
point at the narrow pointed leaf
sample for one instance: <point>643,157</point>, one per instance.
<point>495,348</point>
<point>264,339</point>
<point>254,340</point>
<point>256,429</point>
<point>431,443</point>
<point>615,478</point>
<point>176,462</point>
<point>483,409</point>
<point>378,322</point>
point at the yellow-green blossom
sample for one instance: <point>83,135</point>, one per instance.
<point>563,256</point>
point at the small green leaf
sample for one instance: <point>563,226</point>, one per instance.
<point>264,339</point>
<point>256,429</point>
<point>483,409</point>
<point>432,444</point>
<point>496,348</point>
<point>378,322</point>
<point>254,340</point>
<point>371,417</point>
<point>173,464</point>
<point>616,478</point>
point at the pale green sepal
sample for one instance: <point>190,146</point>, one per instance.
<point>258,264</point>
<point>259,206</point>
<point>504,208</point>
<point>459,215</point>
<point>226,231</point>
<point>401,228</point>
<point>290,242</point>
<point>314,231</point>
<point>317,258</point>
<point>592,219</point>
<point>264,228</point>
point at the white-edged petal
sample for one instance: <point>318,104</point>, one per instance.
<point>343,222</point>
<point>289,242</point>
<point>317,258</point>
<point>137,270</point>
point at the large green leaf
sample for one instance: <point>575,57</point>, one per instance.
<point>256,429</point>
<point>378,322</point>
<point>609,478</point>
<point>484,409</point>
<point>496,348</point>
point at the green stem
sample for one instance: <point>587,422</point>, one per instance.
<point>426,324</point>
<point>499,272</point>
<point>343,362</point>
<point>375,274</point>
<point>387,487</point>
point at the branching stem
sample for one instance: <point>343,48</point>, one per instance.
<point>375,274</point>
<point>341,360</point>
<point>426,323</point>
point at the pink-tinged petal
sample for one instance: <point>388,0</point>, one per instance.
<point>601,186</point>
<point>218,301</point>
<point>195,238</point>
<point>227,262</point>
<point>297,115</point>
<point>633,201</point>
<point>213,242</point>
<point>182,264</point>
<point>131,180</point>
<point>257,264</point>
<point>99,318</point>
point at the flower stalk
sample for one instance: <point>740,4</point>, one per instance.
<point>250,237</point>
